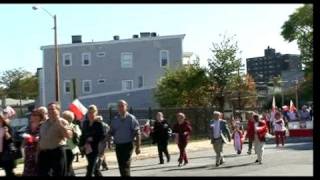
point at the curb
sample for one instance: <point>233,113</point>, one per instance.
<point>147,156</point>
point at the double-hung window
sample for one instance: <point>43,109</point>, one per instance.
<point>126,60</point>
<point>164,58</point>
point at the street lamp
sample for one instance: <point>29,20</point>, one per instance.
<point>57,80</point>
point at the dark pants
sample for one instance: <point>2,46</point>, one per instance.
<point>163,148</point>
<point>53,159</point>
<point>102,163</point>
<point>70,157</point>
<point>183,154</point>
<point>93,164</point>
<point>280,137</point>
<point>124,152</point>
<point>7,164</point>
<point>9,171</point>
<point>250,145</point>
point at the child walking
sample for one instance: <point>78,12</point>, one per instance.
<point>238,138</point>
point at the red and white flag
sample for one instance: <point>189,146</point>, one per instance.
<point>273,104</point>
<point>78,109</point>
<point>292,107</point>
<point>10,112</point>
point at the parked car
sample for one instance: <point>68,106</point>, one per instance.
<point>19,126</point>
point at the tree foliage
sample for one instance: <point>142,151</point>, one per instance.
<point>299,27</point>
<point>19,83</point>
<point>222,66</point>
<point>276,82</point>
<point>243,91</point>
<point>184,87</point>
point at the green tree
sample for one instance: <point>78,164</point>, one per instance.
<point>222,66</point>
<point>276,83</point>
<point>299,27</point>
<point>184,87</point>
<point>243,91</point>
<point>19,83</point>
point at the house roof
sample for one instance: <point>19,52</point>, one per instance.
<point>16,102</point>
<point>114,41</point>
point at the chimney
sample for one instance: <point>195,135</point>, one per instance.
<point>144,34</point>
<point>76,39</point>
<point>153,34</point>
<point>116,37</point>
<point>135,36</point>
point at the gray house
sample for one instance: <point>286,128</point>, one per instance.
<point>107,71</point>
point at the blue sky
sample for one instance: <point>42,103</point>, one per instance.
<point>256,26</point>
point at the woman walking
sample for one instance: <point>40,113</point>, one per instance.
<point>279,129</point>
<point>103,145</point>
<point>72,144</point>
<point>30,144</point>
<point>7,148</point>
<point>182,130</point>
<point>237,137</point>
<point>92,134</point>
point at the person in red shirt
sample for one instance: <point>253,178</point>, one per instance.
<point>182,130</point>
<point>250,131</point>
<point>260,131</point>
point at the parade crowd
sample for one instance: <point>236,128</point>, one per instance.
<point>54,138</point>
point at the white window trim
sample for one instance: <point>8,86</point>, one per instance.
<point>123,87</point>
<point>64,58</point>
<point>161,58</point>
<point>82,59</point>
<point>100,82</point>
<point>123,53</point>
<point>64,86</point>
<point>83,89</point>
<point>142,81</point>
<point>99,56</point>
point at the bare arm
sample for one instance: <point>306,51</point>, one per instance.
<point>138,140</point>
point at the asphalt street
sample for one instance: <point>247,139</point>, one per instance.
<point>295,159</point>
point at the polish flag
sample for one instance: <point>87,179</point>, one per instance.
<point>78,109</point>
<point>273,104</point>
<point>292,107</point>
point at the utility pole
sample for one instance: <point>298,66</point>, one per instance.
<point>57,76</point>
<point>239,104</point>
<point>297,101</point>
<point>74,94</point>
